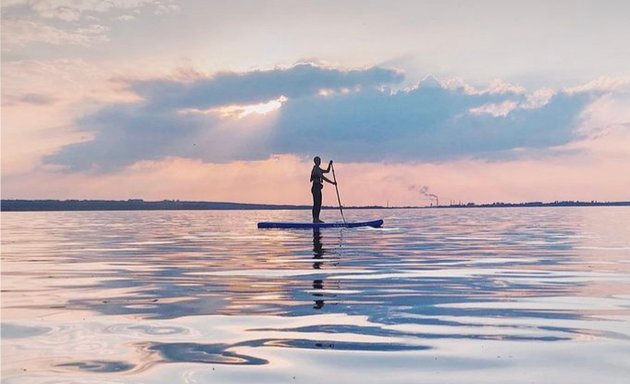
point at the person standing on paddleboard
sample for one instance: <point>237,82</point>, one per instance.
<point>318,178</point>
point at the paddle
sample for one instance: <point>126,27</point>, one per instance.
<point>337,189</point>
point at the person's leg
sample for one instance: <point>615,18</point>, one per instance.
<point>318,205</point>
<point>314,210</point>
<point>317,202</point>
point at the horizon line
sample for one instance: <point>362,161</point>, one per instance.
<point>34,205</point>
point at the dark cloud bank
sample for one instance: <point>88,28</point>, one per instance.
<point>361,119</point>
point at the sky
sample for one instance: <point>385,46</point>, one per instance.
<point>468,101</point>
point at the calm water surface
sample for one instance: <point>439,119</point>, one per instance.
<point>516,295</point>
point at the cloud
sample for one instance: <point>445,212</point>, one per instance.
<point>18,33</point>
<point>77,9</point>
<point>77,22</point>
<point>29,98</point>
<point>497,110</point>
<point>352,115</point>
<point>162,123</point>
<point>126,18</point>
<point>227,88</point>
<point>602,84</point>
<point>427,123</point>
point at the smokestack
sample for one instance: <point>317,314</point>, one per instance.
<point>424,191</point>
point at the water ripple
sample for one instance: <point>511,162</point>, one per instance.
<point>121,293</point>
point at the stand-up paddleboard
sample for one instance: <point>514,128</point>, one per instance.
<point>373,223</point>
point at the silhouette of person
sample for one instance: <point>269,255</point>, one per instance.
<point>318,178</point>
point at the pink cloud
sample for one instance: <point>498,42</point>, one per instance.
<point>284,180</point>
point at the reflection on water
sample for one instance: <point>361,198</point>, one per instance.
<point>200,353</point>
<point>98,366</point>
<point>121,294</point>
<point>318,256</point>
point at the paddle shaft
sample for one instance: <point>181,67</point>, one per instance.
<point>337,189</point>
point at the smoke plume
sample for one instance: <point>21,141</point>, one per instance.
<point>424,191</point>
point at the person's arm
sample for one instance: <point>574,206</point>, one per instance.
<point>330,181</point>
<point>327,169</point>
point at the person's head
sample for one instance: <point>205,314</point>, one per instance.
<point>317,160</point>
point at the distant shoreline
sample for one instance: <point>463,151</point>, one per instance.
<point>19,205</point>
